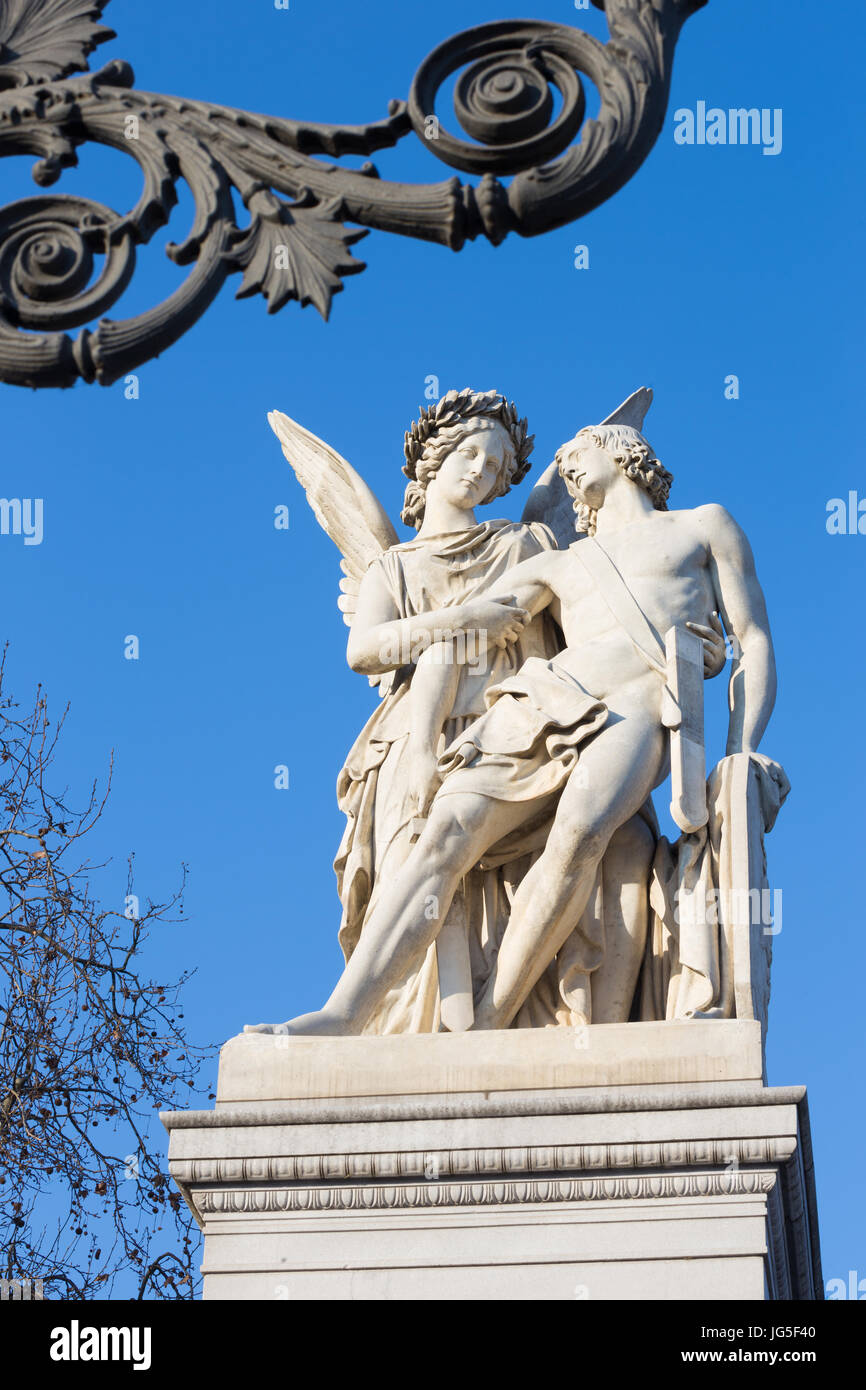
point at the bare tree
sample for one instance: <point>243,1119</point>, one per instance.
<point>90,1050</point>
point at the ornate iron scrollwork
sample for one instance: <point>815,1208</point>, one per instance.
<point>297,246</point>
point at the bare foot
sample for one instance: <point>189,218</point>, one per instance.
<point>318,1023</point>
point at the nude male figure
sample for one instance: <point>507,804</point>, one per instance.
<point>581,735</point>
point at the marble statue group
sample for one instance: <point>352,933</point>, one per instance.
<point>502,864</point>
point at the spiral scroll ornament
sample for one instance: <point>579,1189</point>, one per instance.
<point>47,250</point>
<point>519,104</point>
<point>504,98</point>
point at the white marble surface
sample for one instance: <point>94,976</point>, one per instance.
<point>259,1067</point>
<point>539,1179</point>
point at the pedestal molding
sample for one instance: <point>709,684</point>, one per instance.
<point>460,1163</point>
<point>667,1186</point>
<point>372,1197</point>
<point>474,1104</point>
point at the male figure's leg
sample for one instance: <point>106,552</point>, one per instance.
<point>621,765</point>
<point>412,909</point>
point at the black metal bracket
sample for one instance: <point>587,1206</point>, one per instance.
<point>298,246</point>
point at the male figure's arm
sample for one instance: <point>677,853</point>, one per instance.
<point>752,688</point>
<point>529,583</point>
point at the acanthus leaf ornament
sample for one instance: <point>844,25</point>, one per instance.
<point>295,250</point>
<point>297,245</point>
<point>41,40</point>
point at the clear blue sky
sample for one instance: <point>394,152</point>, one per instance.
<point>158,511</point>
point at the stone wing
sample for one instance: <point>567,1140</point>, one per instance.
<point>344,506</point>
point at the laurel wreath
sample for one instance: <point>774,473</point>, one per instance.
<point>456,406</point>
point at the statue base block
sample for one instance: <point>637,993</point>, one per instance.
<point>635,1161</point>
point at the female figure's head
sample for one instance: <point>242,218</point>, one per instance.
<point>470,446</point>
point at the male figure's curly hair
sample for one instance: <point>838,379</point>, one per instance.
<point>438,431</point>
<point>631,452</point>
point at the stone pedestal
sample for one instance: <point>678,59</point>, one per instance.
<point>637,1161</point>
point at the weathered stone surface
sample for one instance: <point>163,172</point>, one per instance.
<point>496,1166</point>
<point>258,1067</point>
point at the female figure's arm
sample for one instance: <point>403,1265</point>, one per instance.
<point>380,640</point>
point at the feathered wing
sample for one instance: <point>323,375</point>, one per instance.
<point>45,39</point>
<point>343,504</point>
<point>549,500</point>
